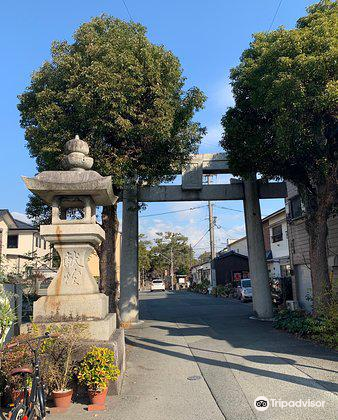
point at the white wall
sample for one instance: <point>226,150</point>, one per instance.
<point>274,269</point>
<point>240,246</point>
<point>26,246</point>
<point>281,248</point>
<point>4,229</point>
<point>304,286</point>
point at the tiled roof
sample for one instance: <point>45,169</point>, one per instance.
<point>23,225</point>
<point>15,223</point>
<point>229,253</point>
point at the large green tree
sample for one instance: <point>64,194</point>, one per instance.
<point>284,120</point>
<point>144,262</point>
<point>125,96</point>
<point>171,245</point>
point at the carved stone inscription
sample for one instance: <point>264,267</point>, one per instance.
<point>74,268</point>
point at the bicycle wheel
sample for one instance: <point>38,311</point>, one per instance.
<point>40,407</point>
<point>18,412</point>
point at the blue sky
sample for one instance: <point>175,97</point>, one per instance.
<point>208,37</point>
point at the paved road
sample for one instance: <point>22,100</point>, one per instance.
<point>198,357</point>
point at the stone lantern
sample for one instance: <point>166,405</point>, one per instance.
<point>73,295</point>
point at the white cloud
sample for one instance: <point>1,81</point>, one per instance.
<point>220,95</point>
<point>193,228</point>
<point>224,97</point>
<point>234,232</point>
<point>213,137</point>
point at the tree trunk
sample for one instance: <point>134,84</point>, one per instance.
<point>321,287</point>
<point>318,209</point>
<point>108,266</point>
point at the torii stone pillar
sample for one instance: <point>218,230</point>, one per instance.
<point>129,295</point>
<point>262,304</point>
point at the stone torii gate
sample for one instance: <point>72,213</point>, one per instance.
<point>192,189</point>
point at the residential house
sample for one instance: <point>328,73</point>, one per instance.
<point>201,272</point>
<point>275,242</point>
<point>230,267</point>
<point>299,248</point>
<point>238,245</point>
<point>21,245</point>
<point>279,260</point>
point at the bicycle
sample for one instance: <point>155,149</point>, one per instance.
<point>30,405</point>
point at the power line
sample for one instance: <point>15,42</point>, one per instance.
<point>174,211</point>
<point>228,208</point>
<point>201,238</point>
<point>239,211</point>
<point>125,5</point>
<point>274,16</point>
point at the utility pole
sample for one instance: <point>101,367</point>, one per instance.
<point>172,267</point>
<point>191,253</point>
<point>212,230</point>
<point>212,222</point>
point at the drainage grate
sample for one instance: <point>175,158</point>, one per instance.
<point>194,378</point>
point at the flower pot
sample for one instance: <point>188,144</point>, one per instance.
<point>62,399</point>
<point>97,397</point>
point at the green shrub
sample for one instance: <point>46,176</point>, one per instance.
<point>322,328</point>
<point>200,287</point>
<point>7,314</point>
<point>222,290</point>
<point>98,368</point>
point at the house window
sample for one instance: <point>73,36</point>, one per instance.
<point>277,233</point>
<point>44,244</point>
<point>12,241</point>
<point>38,241</point>
<point>296,207</point>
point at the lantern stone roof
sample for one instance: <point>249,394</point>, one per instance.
<point>78,180</point>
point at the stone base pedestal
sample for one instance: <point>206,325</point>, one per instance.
<point>90,310</point>
<point>96,329</point>
<point>64,308</point>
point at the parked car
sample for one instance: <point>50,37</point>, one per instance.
<point>157,284</point>
<point>244,290</point>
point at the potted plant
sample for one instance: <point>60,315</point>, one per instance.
<point>95,371</point>
<point>57,364</point>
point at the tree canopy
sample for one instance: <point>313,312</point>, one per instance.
<point>284,122</point>
<point>204,257</point>
<point>160,253</point>
<point>124,95</point>
<point>144,262</point>
<point>285,90</point>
